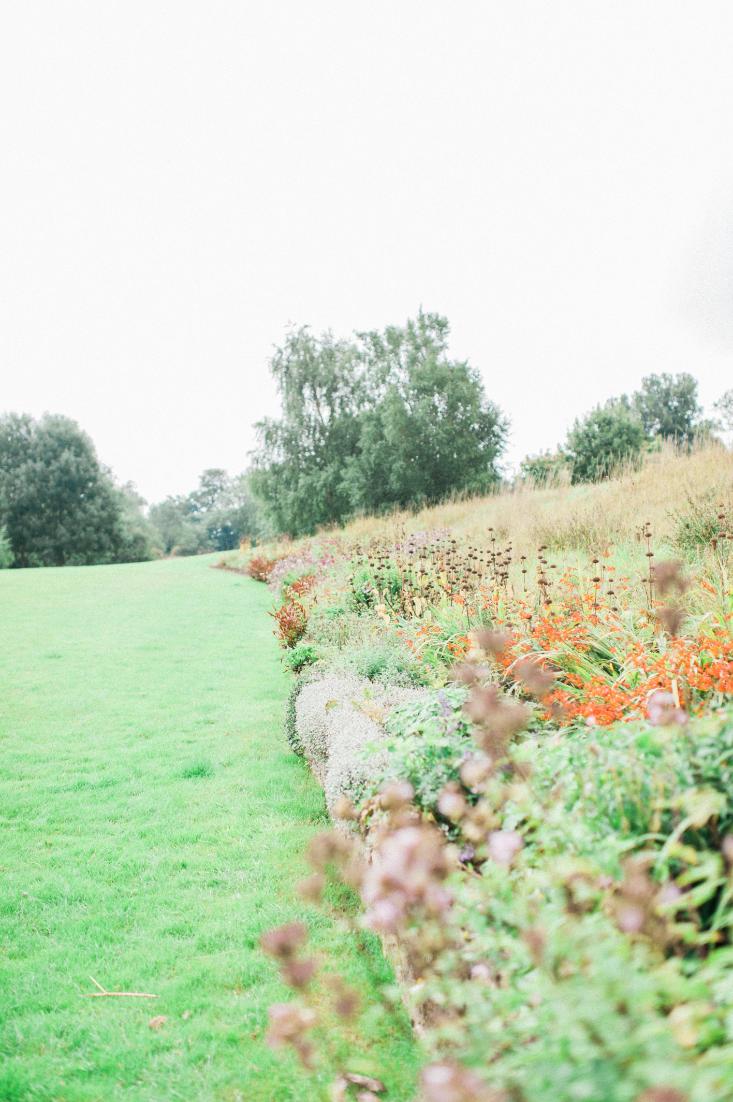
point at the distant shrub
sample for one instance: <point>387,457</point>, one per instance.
<point>699,526</point>
<point>385,662</point>
<point>301,585</point>
<point>259,567</point>
<point>300,656</point>
<point>292,620</point>
<point>291,567</point>
<point>340,723</point>
<point>608,438</point>
<point>545,469</point>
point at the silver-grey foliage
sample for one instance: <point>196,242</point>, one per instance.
<point>339,719</point>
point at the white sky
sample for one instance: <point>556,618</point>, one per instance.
<point>180,180</point>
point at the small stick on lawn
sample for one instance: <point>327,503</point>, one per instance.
<point>104,994</point>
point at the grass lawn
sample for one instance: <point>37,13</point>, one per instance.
<point>152,825</point>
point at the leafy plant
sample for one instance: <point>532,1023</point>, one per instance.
<point>428,740</point>
<point>292,620</point>
<point>259,567</point>
<point>300,656</point>
<point>700,525</point>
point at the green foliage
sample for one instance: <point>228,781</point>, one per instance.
<point>664,408</point>
<point>381,420</point>
<point>215,516</point>
<point>291,720</point>
<point>576,1009</point>
<point>300,656</point>
<point>604,440</point>
<point>629,778</point>
<point>381,660</point>
<point>697,526</point>
<point>668,408</point>
<point>545,469</point>
<point>177,532</point>
<point>58,505</point>
<point>594,963</point>
<point>139,537</point>
<point>431,432</point>
<point>428,739</point>
<point>6,551</point>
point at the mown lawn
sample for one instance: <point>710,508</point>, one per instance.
<point>152,825</point>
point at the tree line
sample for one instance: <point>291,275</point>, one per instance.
<point>622,430</point>
<point>380,420</point>
<point>59,506</point>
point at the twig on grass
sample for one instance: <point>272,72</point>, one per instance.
<point>103,993</point>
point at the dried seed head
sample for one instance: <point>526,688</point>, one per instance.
<point>493,642</point>
<point>346,1001</point>
<point>535,941</point>
<point>283,942</point>
<point>449,1082</point>
<point>289,1024</point>
<point>452,803</point>
<point>663,710</point>
<point>396,795</point>
<point>331,847</point>
<point>668,577</point>
<point>537,679</point>
<point>476,770</point>
<point>344,809</point>
<point>298,973</point>
<point>662,1094</point>
<point>504,845</point>
<point>311,888</point>
<point>671,618</point>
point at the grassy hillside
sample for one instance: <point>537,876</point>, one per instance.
<point>153,825</point>
<point>586,517</point>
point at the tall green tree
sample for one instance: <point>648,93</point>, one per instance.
<point>607,437</point>
<point>299,467</point>
<point>58,505</point>
<point>668,408</point>
<point>429,431</point>
<point>383,419</point>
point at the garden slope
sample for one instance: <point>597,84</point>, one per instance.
<point>153,825</point>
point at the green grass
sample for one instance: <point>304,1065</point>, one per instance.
<point>152,825</point>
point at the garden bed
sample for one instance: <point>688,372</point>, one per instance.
<point>536,754</point>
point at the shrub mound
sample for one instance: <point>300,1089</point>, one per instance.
<point>339,722</point>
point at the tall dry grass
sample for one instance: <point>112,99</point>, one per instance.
<point>585,517</point>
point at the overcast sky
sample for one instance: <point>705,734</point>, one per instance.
<point>181,180</point>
